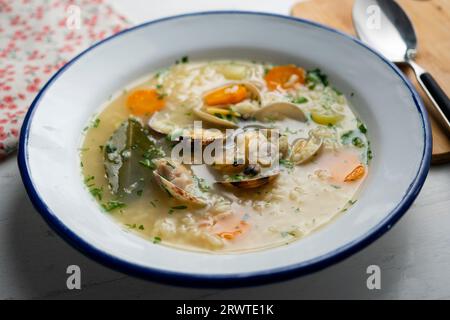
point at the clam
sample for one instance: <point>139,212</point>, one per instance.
<point>222,114</point>
<point>206,136</point>
<point>177,134</point>
<point>214,119</point>
<point>278,110</point>
<point>161,123</point>
<point>178,181</point>
<point>252,90</point>
<point>231,166</point>
<point>251,183</point>
<point>304,149</point>
<point>283,146</point>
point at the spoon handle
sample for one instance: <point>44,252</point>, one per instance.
<point>438,94</point>
<point>440,100</point>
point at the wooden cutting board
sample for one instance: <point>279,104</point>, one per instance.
<point>431,19</point>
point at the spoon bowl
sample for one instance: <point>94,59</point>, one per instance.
<point>385,26</point>
<point>388,29</point>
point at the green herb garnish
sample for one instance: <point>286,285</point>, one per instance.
<point>300,100</point>
<point>345,136</point>
<point>113,205</point>
<point>286,163</point>
<point>314,77</point>
<point>181,207</point>
<point>362,128</point>
<point>96,123</point>
<point>97,193</point>
<point>148,164</point>
<point>88,179</point>
<point>357,142</point>
<point>154,152</point>
<point>236,177</point>
<point>202,185</point>
<point>156,240</point>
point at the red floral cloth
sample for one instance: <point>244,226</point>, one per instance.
<point>37,37</point>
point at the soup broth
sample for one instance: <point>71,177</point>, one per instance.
<point>321,159</point>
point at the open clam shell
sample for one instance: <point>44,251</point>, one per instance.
<point>206,136</point>
<point>254,93</point>
<point>178,192</point>
<point>304,149</point>
<point>279,110</point>
<point>251,183</point>
<point>157,125</point>
<point>202,114</point>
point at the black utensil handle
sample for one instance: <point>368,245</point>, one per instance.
<point>437,93</point>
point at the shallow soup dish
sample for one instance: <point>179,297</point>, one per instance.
<point>351,138</point>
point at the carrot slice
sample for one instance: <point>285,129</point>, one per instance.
<point>145,102</point>
<point>236,230</point>
<point>227,95</point>
<point>357,173</point>
<point>284,76</point>
<point>229,235</point>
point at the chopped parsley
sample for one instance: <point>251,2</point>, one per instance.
<point>161,95</point>
<point>153,152</point>
<point>148,164</point>
<point>288,130</point>
<point>96,123</point>
<point>287,163</point>
<point>156,240</point>
<point>339,93</point>
<point>369,152</point>
<point>300,100</point>
<point>88,179</point>
<point>135,226</point>
<point>345,136</point>
<point>357,142</point>
<point>181,207</point>
<point>202,185</point>
<point>184,59</point>
<point>110,149</point>
<point>236,177</point>
<point>97,193</point>
<point>315,77</point>
<point>362,128</point>
<point>113,205</point>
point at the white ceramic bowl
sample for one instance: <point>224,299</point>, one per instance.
<point>383,98</point>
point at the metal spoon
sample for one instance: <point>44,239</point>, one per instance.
<point>385,26</point>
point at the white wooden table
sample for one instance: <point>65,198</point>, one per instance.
<point>414,256</point>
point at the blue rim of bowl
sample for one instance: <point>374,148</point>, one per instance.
<point>226,280</point>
